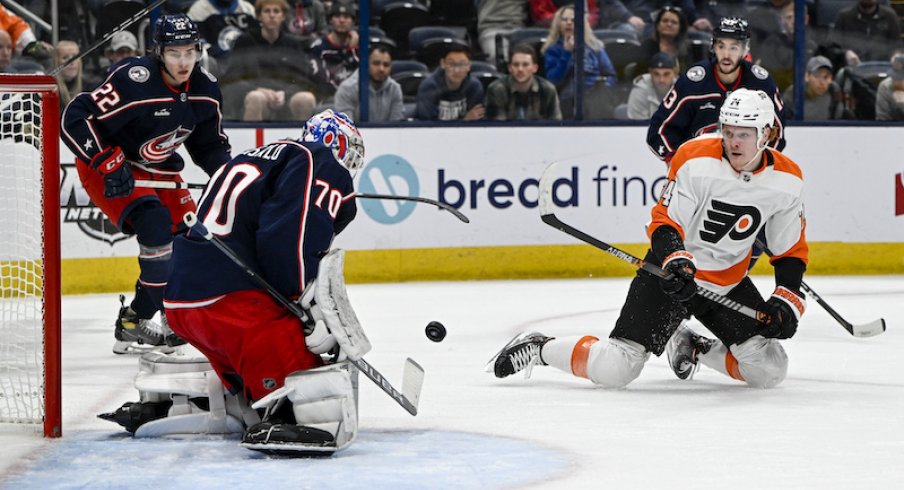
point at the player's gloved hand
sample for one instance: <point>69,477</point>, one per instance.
<point>680,284</point>
<point>118,180</point>
<point>784,308</point>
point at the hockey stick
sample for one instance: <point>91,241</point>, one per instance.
<point>547,214</point>
<point>167,184</point>
<point>126,23</point>
<point>870,329</point>
<point>412,374</point>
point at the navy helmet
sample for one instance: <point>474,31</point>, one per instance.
<point>175,30</point>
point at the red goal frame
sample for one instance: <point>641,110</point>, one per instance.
<point>46,86</point>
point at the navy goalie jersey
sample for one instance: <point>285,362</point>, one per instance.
<point>278,207</point>
<point>135,109</point>
<point>692,107</point>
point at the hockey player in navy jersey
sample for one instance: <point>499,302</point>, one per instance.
<point>722,189</point>
<point>130,128</point>
<point>278,207</point>
<point>691,108</point>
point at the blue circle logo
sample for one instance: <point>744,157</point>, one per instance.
<point>391,175</point>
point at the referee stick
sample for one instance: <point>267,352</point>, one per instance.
<point>169,184</point>
<point>413,373</point>
<point>870,329</point>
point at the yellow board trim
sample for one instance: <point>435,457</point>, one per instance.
<point>81,276</point>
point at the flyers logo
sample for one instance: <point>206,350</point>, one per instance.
<point>738,222</point>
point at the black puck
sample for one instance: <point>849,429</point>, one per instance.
<point>435,331</point>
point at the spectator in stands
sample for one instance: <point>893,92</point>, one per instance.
<point>308,19</point>
<point>820,101</point>
<point>650,88</point>
<point>890,95</point>
<point>765,20</point>
<point>669,35</point>
<point>599,74</point>
<point>221,22</point>
<point>868,31</point>
<point>24,42</point>
<point>71,81</point>
<point>450,93</point>
<point>522,95</point>
<point>777,50</point>
<point>384,95</point>
<point>6,51</point>
<point>270,75</point>
<point>542,11</point>
<point>338,49</point>
<point>614,15</point>
<point>123,45</point>
<point>498,17</point>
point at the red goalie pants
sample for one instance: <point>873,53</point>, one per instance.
<point>252,342</point>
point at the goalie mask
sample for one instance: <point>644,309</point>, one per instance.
<point>336,131</point>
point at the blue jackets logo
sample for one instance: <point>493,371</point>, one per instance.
<point>392,175</point>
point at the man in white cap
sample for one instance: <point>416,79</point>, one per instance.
<point>819,91</point>
<point>123,45</point>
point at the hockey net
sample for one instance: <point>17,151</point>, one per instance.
<point>30,389</point>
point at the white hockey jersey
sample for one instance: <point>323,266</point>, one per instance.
<point>719,211</point>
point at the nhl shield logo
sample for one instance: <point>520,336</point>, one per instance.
<point>139,74</point>
<point>269,383</point>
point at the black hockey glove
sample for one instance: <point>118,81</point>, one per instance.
<point>784,308</point>
<point>679,285</point>
<point>118,180</point>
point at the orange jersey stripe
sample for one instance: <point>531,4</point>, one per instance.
<point>726,277</point>
<point>581,354</point>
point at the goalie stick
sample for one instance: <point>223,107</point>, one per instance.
<point>167,184</point>
<point>870,329</point>
<point>547,214</point>
<point>412,373</point>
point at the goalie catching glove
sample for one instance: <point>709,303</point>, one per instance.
<point>111,164</point>
<point>334,320</point>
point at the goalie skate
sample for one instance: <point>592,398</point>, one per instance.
<point>522,353</point>
<point>139,335</point>
<point>292,440</point>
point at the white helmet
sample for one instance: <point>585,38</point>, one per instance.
<point>748,109</point>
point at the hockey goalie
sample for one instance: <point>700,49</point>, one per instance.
<point>284,381</point>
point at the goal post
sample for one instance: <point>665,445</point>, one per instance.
<point>30,297</point>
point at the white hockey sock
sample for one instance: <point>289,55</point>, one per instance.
<point>569,354</point>
<point>722,360</point>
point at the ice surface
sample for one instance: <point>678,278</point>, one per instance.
<point>834,423</point>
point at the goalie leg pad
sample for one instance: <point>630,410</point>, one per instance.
<point>334,308</point>
<point>326,398</point>
<point>193,395</point>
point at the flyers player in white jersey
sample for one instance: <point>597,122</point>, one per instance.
<point>723,189</point>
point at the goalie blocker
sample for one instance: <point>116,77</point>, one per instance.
<point>185,395</point>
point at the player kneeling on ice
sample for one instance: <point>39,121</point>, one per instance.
<point>277,208</point>
<point>722,189</point>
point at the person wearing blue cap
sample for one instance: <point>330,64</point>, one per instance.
<point>650,88</point>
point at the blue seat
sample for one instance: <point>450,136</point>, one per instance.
<point>420,35</point>
<point>435,48</point>
<point>533,36</point>
<point>397,19</point>
<point>410,81</point>
<point>399,66</point>
<point>615,35</point>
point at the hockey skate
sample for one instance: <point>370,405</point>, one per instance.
<point>136,335</point>
<point>282,439</point>
<point>683,349</point>
<point>522,353</point>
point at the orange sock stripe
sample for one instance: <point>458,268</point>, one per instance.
<point>731,365</point>
<point>581,354</point>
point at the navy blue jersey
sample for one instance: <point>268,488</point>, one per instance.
<point>691,108</point>
<point>135,109</point>
<point>278,207</point>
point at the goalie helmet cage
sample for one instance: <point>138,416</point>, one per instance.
<point>30,297</point>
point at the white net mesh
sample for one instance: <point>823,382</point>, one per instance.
<point>21,259</point>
